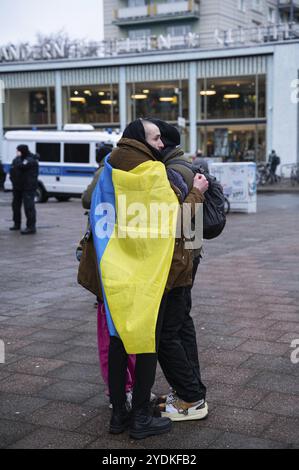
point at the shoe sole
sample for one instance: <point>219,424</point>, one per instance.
<point>149,433</point>
<point>199,414</point>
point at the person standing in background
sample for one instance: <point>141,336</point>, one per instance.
<point>23,175</point>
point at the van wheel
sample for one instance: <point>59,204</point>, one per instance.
<point>62,198</point>
<point>40,194</point>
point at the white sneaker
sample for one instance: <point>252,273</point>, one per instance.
<point>179,410</point>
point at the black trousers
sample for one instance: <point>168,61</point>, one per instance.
<point>178,354</point>
<point>27,197</point>
<point>145,371</point>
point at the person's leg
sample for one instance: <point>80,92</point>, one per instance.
<point>172,356</point>
<point>103,343</point>
<point>187,332</point>
<point>16,208</point>
<point>29,207</point>
<point>117,372</point>
<point>145,368</point>
<point>143,424</point>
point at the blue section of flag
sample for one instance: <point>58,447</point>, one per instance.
<point>103,195</point>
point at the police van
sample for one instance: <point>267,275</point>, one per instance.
<point>67,159</point>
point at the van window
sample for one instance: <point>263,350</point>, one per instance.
<point>76,153</point>
<point>48,152</point>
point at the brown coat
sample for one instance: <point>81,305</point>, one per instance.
<point>129,154</point>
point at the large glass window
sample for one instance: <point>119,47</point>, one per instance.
<point>92,104</point>
<point>164,100</point>
<point>30,107</point>
<point>233,142</point>
<point>229,98</point>
<point>232,98</point>
<point>48,152</point>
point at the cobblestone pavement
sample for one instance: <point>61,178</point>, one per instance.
<point>246,313</point>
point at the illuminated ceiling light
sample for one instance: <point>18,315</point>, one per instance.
<point>169,99</point>
<point>87,92</point>
<point>101,93</point>
<point>78,99</point>
<point>139,97</point>
<point>76,92</point>
<point>231,96</point>
<point>208,93</point>
<point>145,91</point>
<point>108,102</point>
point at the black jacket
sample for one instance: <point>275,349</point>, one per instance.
<point>24,173</point>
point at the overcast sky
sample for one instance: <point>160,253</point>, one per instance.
<point>20,20</point>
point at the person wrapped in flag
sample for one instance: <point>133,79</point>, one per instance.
<point>139,260</point>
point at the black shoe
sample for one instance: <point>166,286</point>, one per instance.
<point>27,231</point>
<point>119,421</point>
<point>15,227</point>
<point>143,425</point>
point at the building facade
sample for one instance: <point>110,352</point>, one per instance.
<point>237,101</point>
<point>137,19</point>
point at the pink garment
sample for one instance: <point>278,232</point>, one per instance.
<point>103,346</point>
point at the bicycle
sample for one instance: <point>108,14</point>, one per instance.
<point>294,175</point>
<point>226,205</point>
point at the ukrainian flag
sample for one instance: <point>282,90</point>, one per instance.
<point>133,218</point>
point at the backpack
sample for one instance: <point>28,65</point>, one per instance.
<point>214,218</point>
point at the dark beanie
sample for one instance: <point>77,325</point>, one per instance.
<point>170,136</point>
<point>23,149</point>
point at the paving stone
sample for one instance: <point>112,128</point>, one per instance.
<point>11,431</point>
<point>239,441</point>
<point>231,358</point>
<point>100,400</point>
<point>13,406</point>
<point>63,416</point>
<point>24,384</point>
<point>280,403</point>
<point>285,429</point>
<point>47,350</point>
<point>240,397</point>
<point>84,339</point>
<point>262,334</point>
<point>67,390</point>
<point>270,363</point>
<point>227,374</point>
<point>13,332</point>
<point>35,366</point>
<point>52,336</point>
<point>82,355</point>
<point>47,438</point>
<point>240,420</point>
<point>275,382</point>
<point>263,347</point>
<point>80,372</point>
<point>219,342</point>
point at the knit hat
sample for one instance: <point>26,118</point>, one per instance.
<point>23,149</point>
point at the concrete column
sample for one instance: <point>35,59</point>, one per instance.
<point>1,128</point>
<point>58,100</point>
<point>192,107</point>
<point>269,104</point>
<point>122,98</point>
